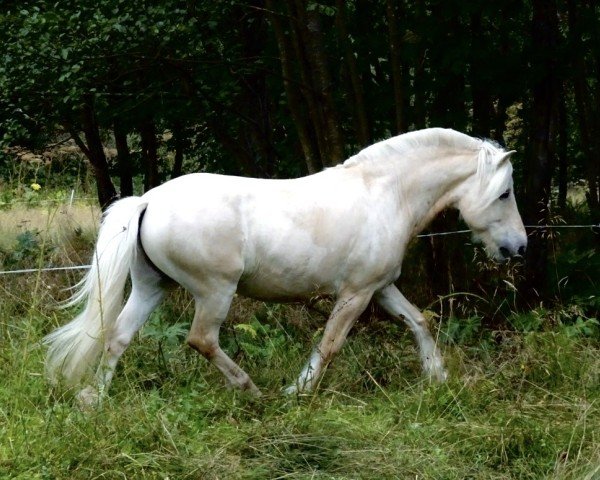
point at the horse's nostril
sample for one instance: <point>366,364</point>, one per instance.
<point>505,252</point>
<point>521,250</point>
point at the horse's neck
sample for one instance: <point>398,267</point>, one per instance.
<point>430,184</point>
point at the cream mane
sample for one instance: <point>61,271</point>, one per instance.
<point>428,138</point>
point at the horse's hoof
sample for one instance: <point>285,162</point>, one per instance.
<point>295,389</point>
<point>253,391</point>
<point>438,376</point>
<point>88,398</point>
<point>291,390</point>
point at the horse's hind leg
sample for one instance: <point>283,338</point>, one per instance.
<point>211,311</point>
<point>147,291</point>
<point>397,305</point>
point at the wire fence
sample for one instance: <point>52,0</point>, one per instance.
<point>595,228</point>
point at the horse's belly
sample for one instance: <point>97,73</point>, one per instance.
<point>291,277</point>
<point>266,289</point>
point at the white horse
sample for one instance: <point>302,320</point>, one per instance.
<point>342,232</point>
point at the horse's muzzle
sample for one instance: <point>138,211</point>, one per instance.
<point>512,251</point>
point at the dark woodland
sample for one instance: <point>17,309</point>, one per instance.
<point>287,88</point>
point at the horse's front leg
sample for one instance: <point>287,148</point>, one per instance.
<point>397,305</point>
<point>345,312</point>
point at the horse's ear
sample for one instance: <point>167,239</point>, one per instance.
<point>505,156</point>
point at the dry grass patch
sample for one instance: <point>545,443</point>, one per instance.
<point>56,223</point>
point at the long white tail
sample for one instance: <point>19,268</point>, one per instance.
<point>75,347</point>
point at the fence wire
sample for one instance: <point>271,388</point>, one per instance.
<point>594,228</point>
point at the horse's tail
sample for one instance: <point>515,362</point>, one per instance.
<point>75,347</point>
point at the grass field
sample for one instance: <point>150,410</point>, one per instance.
<point>520,403</point>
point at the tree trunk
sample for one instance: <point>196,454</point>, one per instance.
<point>561,150</point>
<point>293,94</point>
<point>539,160</point>
<point>445,264</point>
<point>94,151</point>
<point>482,99</point>
<point>179,147</point>
<point>396,64</point>
<point>583,101</point>
<point>149,154</point>
<point>328,124</point>
<point>308,89</point>
<point>123,160</point>
<point>590,12</point>
<point>419,115</point>
<point>254,98</point>
<point>505,91</point>
<point>448,109</point>
<point>363,131</point>
<point>500,118</point>
<point>244,159</point>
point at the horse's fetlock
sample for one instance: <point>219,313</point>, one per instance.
<point>241,380</point>
<point>117,346</point>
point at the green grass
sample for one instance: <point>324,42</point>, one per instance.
<point>523,406</point>
<point>521,403</point>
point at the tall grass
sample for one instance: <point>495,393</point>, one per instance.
<point>521,402</point>
<point>527,408</point>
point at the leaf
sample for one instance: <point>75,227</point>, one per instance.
<point>245,327</point>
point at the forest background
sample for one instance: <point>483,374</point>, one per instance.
<point>283,89</point>
<point>112,98</point>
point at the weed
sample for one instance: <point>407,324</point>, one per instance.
<point>582,327</point>
<point>531,321</point>
<point>460,330</point>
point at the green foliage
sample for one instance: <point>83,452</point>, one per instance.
<point>570,320</point>
<point>259,341</point>
<point>460,330</point>
<point>162,332</point>
<point>30,248</point>
<point>212,71</point>
<point>531,321</point>
<point>582,327</point>
<point>577,269</point>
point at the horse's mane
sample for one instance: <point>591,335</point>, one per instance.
<point>407,142</point>
<point>494,179</point>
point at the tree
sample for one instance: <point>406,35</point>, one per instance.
<point>538,168</point>
<point>588,112</point>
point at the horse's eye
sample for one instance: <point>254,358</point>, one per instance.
<point>505,195</point>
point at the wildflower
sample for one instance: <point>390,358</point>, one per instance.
<point>36,186</point>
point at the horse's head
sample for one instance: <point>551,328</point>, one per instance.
<point>487,204</point>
